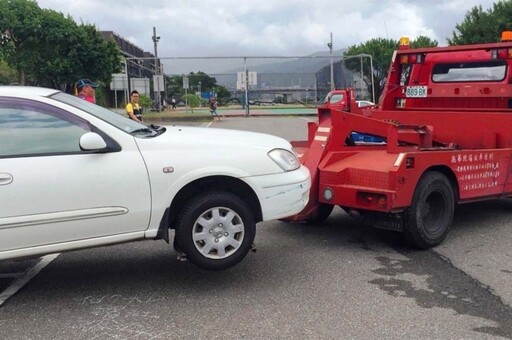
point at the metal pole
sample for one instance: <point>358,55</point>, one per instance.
<point>332,70</point>
<point>373,85</point>
<point>157,69</point>
<point>316,89</point>
<point>362,78</point>
<point>186,101</point>
<point>127,87</point>
<point>165,85</point>
<point>200,96</point>
<point>246,75</point>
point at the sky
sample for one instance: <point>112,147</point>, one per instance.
<point>190,28</point>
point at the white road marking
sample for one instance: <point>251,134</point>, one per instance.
<point>24,279</point>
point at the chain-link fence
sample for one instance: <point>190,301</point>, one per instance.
<point>271,80</point>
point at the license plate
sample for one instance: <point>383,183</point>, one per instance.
<point>416,91</point>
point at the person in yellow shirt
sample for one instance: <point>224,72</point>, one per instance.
<point>132,108</point>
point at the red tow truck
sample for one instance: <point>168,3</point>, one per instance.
<point>340,100</point>
<point>445,122</point>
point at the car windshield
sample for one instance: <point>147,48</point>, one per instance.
<point>115,119</point>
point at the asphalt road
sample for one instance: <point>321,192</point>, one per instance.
<point>338,280</point>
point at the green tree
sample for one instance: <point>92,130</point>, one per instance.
<point>381,51</point>
<point>423,41</point>
<point>192,100</point>
<point>55,66</point>
<point>7,74</point>
<point>52,50</point>
<point>22,30</point>
<point>174,86</point>
<point>95,58</point>
<point>221,91</point>
<point>481,26</point>
<point>145,102</point>
<point>208,84</point>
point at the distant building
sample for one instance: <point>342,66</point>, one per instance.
<point>136,68</point>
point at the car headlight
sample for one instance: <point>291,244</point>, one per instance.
<point>286,160</point>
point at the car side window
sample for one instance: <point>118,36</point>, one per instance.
<point>30,128</point>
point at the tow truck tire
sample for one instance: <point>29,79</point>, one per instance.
<point>215,230</point>
<point>430,216</point>
<point>322,213</point>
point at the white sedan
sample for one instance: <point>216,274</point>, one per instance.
<point>75,175</point>
<point>363,103</point>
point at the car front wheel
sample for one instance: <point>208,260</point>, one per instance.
<point>215,230</point>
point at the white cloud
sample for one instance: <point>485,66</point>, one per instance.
<point>266,27</point>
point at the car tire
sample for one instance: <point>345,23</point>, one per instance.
<point>322,213</point>
<point>430,216</point>
<point>215,230</point>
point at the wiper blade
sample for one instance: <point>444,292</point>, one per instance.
<point>157,128</point>
<point>142,130</point>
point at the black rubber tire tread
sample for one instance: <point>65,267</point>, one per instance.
<point>323,212</point>
<point>197,206</point>
<point>434,197</point>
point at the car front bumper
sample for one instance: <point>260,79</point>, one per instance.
<point>284,194</point>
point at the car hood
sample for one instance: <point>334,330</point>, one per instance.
<point>241,152</point>
<point>194,137</point>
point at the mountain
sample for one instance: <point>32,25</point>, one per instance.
<point>308,64</point>
<point>301,73</point>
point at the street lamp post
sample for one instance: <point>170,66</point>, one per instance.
<point>199,83</point>
<point>332,70</point>
<point>157,70</point>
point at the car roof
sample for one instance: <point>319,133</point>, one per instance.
<point>26,91</point>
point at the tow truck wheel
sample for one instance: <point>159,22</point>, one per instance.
<point>322,213</point>
<point>215,230</point>
<point>429,218</point>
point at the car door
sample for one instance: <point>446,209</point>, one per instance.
<point>51,191</point>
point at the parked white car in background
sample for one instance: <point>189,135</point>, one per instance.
<point>363,103</point>
<point>76,175</point>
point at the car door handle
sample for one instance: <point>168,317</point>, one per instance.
<point>5,178</point>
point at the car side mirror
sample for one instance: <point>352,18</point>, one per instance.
<point>91,141</point>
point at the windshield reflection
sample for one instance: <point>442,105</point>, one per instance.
<point>113,118</point>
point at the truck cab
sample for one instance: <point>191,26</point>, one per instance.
<point>338,100</point>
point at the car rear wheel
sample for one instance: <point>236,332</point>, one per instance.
<point>215,230</point>
<point>429,218</point>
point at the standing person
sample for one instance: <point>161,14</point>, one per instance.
<point>173,103</point>
<point>132,108</point>
<point>213,107</point>
<point>86,89</point>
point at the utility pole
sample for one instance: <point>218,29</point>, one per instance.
<point>332,70</point>
<point>246,78</point>
<point>362,79</point>
<point>157,70</point>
